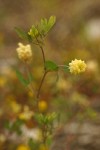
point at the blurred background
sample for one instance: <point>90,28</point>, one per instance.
<point>76,34</point>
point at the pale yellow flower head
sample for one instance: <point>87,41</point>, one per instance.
<point>24,52</point>
<point>77,66</point>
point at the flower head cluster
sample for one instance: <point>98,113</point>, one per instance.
<point>77,66</point>
<point>24,52</point>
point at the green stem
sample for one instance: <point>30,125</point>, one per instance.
<point>63,66</point>
<point>41,51</point>
<point>45,71</point>
<point>41,83</point>
<point>44,134</point>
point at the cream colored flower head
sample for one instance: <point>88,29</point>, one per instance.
<point>24,52</point>
<point>77,66</point>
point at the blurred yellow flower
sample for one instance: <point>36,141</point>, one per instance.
<point>3,81</point>
<point>24,52</point>
<point>42,105</point>
<point>26,114</point>
<point>15,107</point>
<point>12,103</point>
<point>77,66</point>
<point>23,147</point>
<point>2,138</point>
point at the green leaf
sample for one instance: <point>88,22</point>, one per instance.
<point>30,77</point>
<point>33,144</point>
<point>51,22</point>
<point>16,126</point>
<point>49,141</point>
<point>29,38</point>
<point>42,26</point>
<point>39,118</point>
<point>21,78</point>
<point>91,113</point>
<point>21,33</point>
<point>51,66</point>
<point>7,124</point>
<point>51,117</point>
